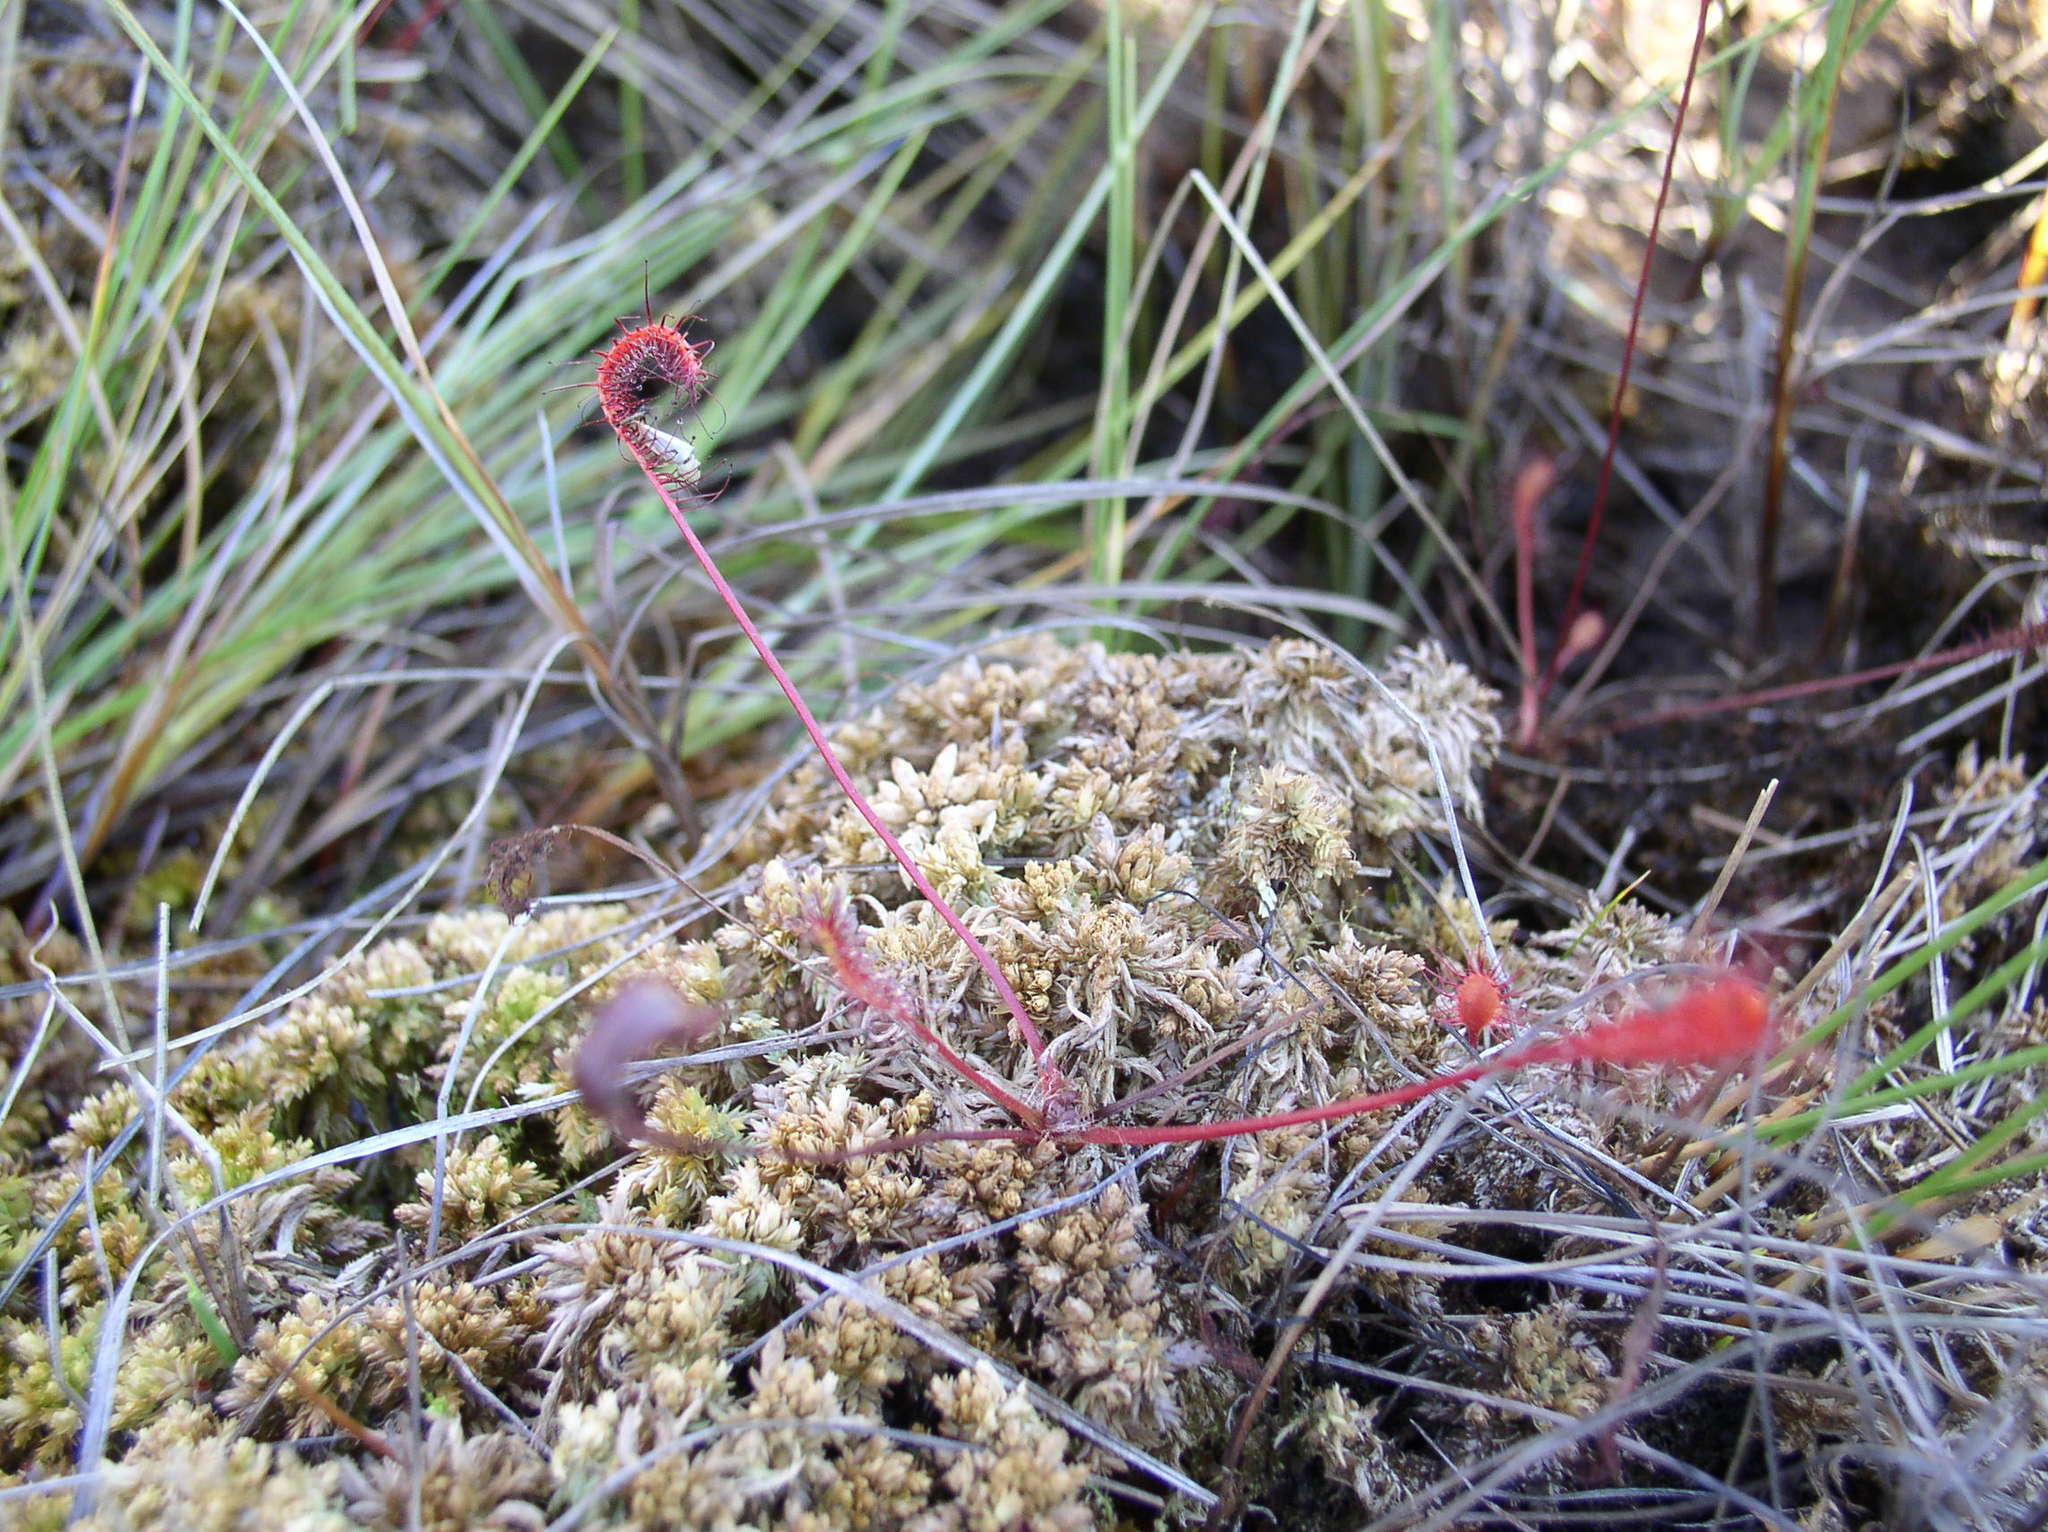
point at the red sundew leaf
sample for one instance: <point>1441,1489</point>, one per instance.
<point>1479,1003</point>
<point>645,1016</point>
<point>648,368</point>
<point>832,926</point>
<point>1724,1022</point>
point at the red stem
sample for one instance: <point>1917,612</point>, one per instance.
<point>1628,357</point>
<point>1026,1028</point>
<point>1532,483</point>
<point>1723,1022</point>
<point>2009,640</point>
<point>1400,1095</point>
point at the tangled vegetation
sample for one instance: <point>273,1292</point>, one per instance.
<point>1204,873</point>
<point>1354,543</point>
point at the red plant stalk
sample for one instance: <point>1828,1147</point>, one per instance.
<point>649,365</point>
<point>1723,1022</point>
<point>1532,483</point>
<point>2033,635</point>
<point>1605,483</point>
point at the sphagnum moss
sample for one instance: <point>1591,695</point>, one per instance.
<point>1169,855</point>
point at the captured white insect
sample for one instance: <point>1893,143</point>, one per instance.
<point>679,455</point>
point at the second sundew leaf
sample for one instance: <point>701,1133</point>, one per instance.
<point>1723,1022</point>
